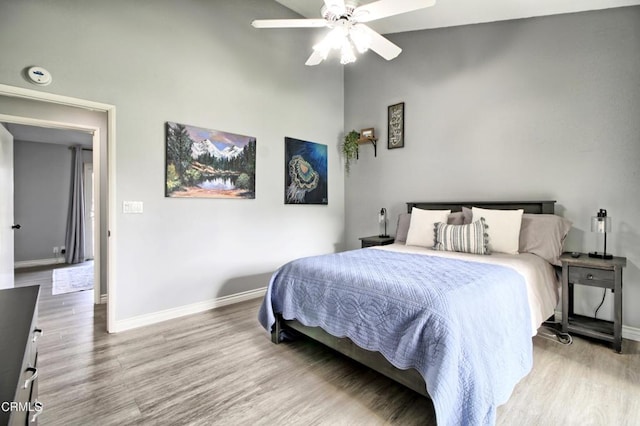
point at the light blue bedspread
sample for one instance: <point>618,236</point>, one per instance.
<point>465,326</point>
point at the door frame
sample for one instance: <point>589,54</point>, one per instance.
<point>7,210</point>
<point>35,95</point>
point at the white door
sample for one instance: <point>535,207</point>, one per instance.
<point>89,212</point>
<point>6,208</point>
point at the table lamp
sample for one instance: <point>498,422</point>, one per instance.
<point>382,222</point>
<point>601,223</point>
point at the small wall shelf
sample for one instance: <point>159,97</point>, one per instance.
<point>373,141</point>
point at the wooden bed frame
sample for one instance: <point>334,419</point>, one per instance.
<point>374,360</point>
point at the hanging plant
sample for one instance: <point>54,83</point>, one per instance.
<point>350,148</point>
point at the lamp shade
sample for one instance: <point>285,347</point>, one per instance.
<point>601,224</point>
<point>382,222</point>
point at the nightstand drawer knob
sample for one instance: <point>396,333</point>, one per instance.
<point>589,276</point>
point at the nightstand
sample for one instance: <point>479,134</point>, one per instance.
<point>376,241</point>
<point>593,272</point>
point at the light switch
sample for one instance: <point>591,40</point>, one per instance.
<point>129,207</point>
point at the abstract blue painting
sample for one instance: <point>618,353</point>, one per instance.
<point>305,172</point>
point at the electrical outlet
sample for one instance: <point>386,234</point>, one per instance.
<point>63,249</point>
<point>56,250</point>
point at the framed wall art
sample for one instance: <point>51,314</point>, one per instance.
<point>395,116</point>
<point>305,169</point>
<point>205,163</point>
<point>367,133</point>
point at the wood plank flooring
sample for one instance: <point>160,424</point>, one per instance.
<point>220,368</point>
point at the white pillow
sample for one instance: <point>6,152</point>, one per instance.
<point>422,227</point>
<point>503,227</point>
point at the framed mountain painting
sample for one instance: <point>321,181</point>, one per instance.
<point>209,163</point>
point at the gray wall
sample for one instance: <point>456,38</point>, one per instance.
<point>543,108</point>
<point>199,63</point>
<point>42,173</point>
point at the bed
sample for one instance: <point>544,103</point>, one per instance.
<point>374,306</point>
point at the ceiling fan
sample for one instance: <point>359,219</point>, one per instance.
<point>348,29</point>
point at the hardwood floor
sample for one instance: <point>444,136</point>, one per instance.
<point>220,368</point>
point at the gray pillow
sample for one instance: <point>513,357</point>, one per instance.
<point>543,235</point>
<point>468,215</point>
<point>404,220</point>
<point>456,218</point>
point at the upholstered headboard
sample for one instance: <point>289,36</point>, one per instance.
<point>535,207</point>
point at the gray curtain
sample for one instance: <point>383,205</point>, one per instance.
<point>74,240</point>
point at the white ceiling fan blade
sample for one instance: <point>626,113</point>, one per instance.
<point>289,23</point>
<point>379,44</point>
<point>315,58</point>
<point>384,8</point>
<point>337,7</point>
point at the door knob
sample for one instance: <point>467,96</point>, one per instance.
<point>16,226</point>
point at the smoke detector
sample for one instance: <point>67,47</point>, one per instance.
<point>39,76</point>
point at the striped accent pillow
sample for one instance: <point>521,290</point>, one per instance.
<point>471,238</point>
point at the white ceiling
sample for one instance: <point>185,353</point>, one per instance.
<point>449,13</point>
<point>46,135</point>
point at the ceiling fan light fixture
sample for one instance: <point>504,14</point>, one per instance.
<point>338,36</point>
<point>333,40</point>
<point>346,53</point>
<point>360,39</point>
<point>323,49</point>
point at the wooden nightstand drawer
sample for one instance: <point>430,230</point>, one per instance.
<point>591,276</point>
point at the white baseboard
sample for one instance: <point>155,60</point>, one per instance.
<point>37,262</point>
<point>631,333</point>
<point>168,314</point>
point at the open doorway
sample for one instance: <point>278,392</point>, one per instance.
<point>32,107</point>
<point>44,160</point>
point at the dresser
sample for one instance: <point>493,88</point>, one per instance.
<point>19,356</point>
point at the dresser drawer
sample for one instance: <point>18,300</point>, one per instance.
<point>27,407</point>
<point>27,390</point>
<point>19,355</point>
<point>591,276</point>
<point>32,346</point>
<point>24,408</point>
